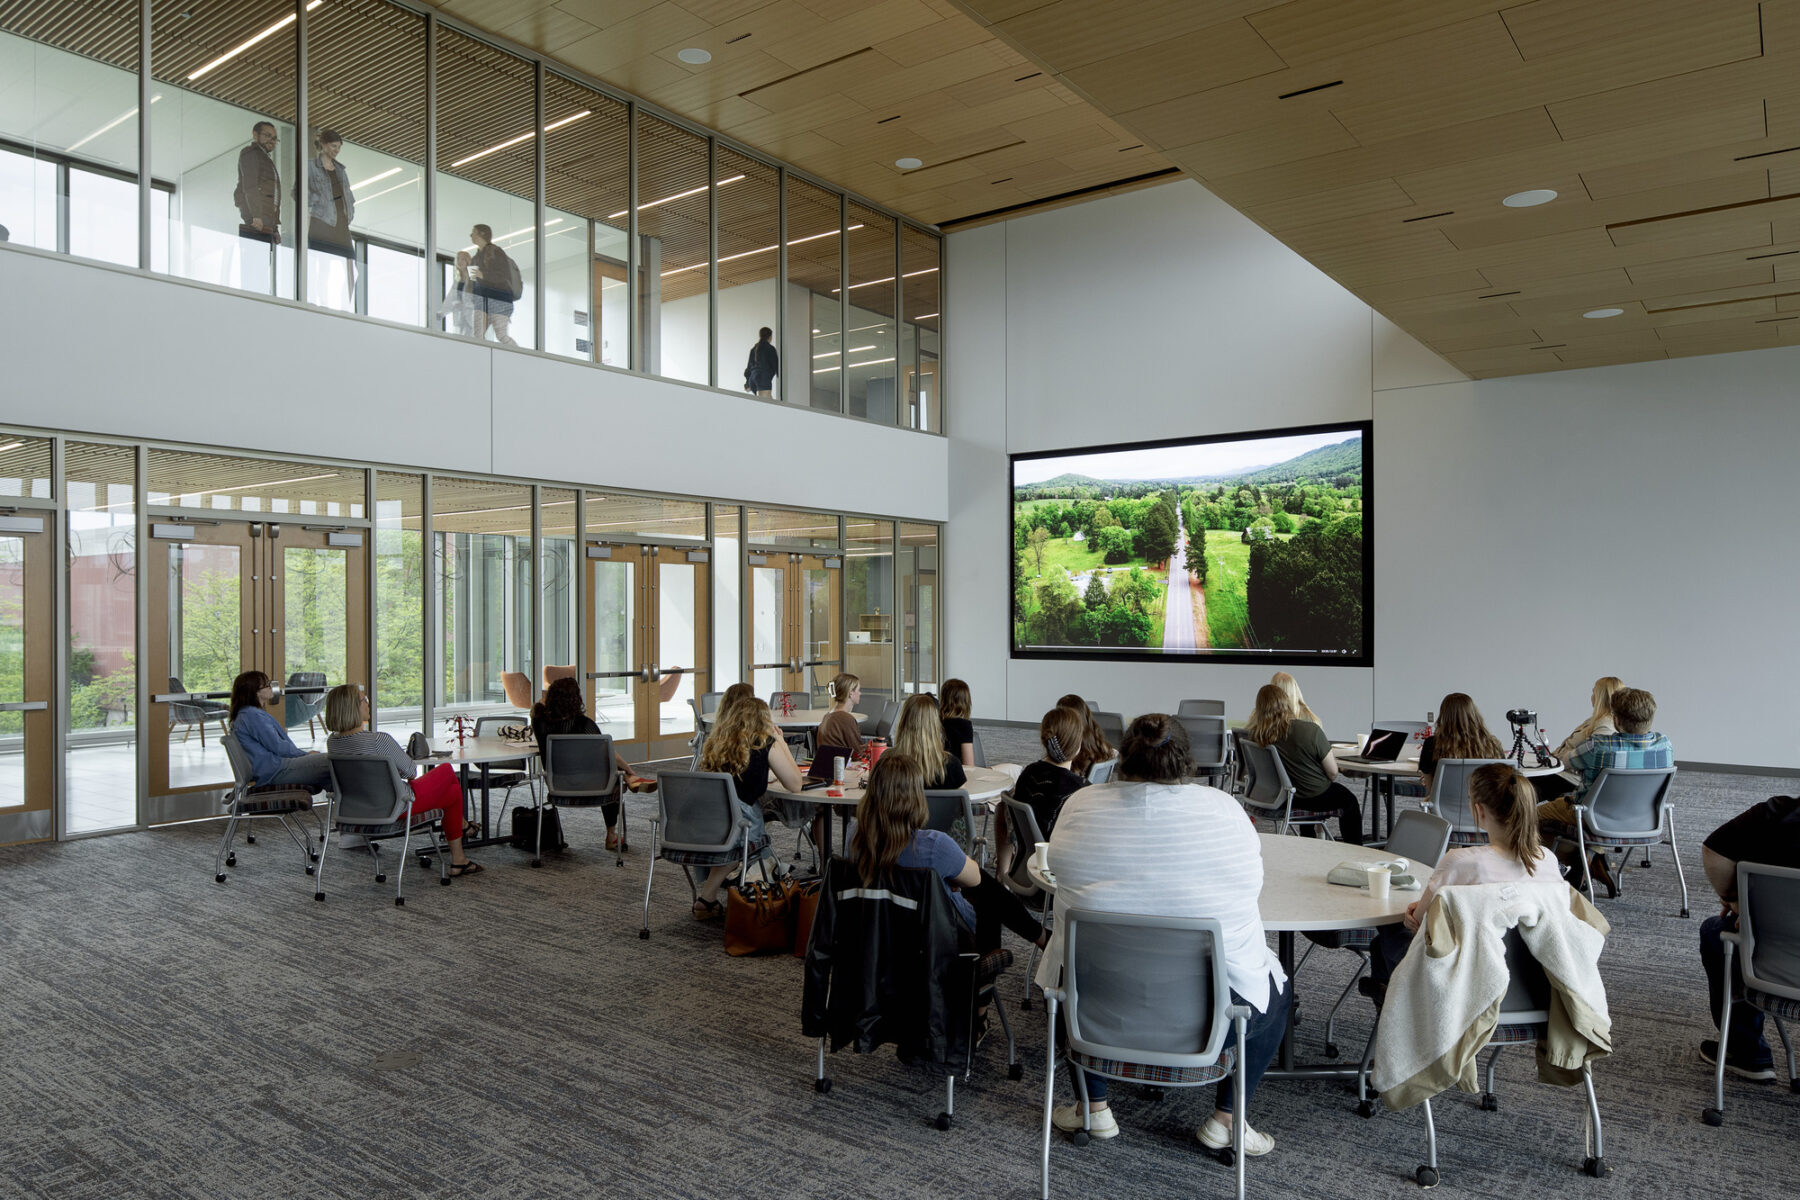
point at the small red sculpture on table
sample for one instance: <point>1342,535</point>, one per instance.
<point>463,725</point>
<point>785,703</point>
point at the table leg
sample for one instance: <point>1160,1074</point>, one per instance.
<point>1390,807</point>
<point>1284,1066</point>
<point>825,850</point>
<point>1285,944</point>
<point>486,834</point>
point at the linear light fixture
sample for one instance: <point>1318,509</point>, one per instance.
<point>889,279</point>
<point>396,187</point>
<point>676,196</point>
<point>924,316</point>
<point>811,237</point>
<point>238,49</point>
<point>357,187</point>
<point>242,487</point>
<point>110,125</point>
<point>523,137</point>
<point>11,446</point>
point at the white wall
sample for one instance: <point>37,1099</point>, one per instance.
<point>97,349</point>
<point>1530,533</point>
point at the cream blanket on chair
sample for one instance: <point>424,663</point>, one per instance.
<point>1444,998</point>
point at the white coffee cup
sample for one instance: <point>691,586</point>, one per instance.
<point>1379,880</point>
<point>1040,857</point>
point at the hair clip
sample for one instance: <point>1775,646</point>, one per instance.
<point>1054,746</point>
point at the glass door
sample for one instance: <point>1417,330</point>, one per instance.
<point>796,623</point>
<point>649,624</point>
<point>233,596</point>
<point>27,725</point>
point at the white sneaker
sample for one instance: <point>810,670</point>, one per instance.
<point>1215,1136</point>
<point>1067,1117</point>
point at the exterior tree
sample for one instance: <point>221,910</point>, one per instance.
<point>1156,535</point>
<point>1035,543</point>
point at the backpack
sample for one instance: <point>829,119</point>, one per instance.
<point>515,282</point>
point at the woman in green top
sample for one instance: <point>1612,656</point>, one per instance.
<point>1306,753</point>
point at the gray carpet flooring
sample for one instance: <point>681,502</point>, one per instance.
<point>162,1035</point>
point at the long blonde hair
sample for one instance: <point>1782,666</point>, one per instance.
<point>919,735</point>
<point>1273,715</point>
<point>891,810</point>
<point>739,729</point>
<point>1461,733</point>
<point>1604,687</point>
<point>1512,800</point>
<point>1288,684</point>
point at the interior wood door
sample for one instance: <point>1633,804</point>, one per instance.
<point>649,638</point>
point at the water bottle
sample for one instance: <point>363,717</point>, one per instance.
<point>837,769</point>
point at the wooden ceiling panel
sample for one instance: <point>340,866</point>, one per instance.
<point>1308,30</point>
<point>1335,204</point>
<point>1178,66</point>
<point>1302,135</point>
<point>1073,33</point>
<point>1546,28</point>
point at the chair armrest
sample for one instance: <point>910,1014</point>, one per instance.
<point>1240,1010</point>
<point>1056,994</point>
<point>1736,939</point>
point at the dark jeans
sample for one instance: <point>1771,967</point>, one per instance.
<point>1262,1038</point>
<point>1389,947</point>
<point>996,908</point>
<point>1746,1046</point>
<point>1341,800</point>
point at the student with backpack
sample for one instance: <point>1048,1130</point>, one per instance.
<point>496,283</point>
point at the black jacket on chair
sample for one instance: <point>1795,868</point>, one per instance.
<point>883,966</point>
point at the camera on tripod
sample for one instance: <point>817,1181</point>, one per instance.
<point>1522,716</point>
<point>1528,736</point>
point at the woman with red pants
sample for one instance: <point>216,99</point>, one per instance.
<point>347,718</point>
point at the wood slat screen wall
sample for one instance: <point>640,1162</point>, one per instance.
<point>1378,137</point>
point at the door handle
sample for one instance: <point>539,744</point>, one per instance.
<point>25,706</point>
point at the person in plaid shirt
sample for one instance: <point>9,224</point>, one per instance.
<point>1635,746</point>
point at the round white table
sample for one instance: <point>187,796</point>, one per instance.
<point>1295,898</point>
<point>482,753</point>
<point>801,720</point>
<point>983,784</point>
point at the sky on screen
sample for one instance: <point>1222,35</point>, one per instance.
<point>1176,462</point>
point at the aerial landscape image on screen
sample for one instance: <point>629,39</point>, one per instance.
<point>1245,547</point>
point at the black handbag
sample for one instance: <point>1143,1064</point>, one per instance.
<point>525,830</point>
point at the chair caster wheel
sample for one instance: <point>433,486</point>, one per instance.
<point>643,935</point>
<point>319,896</point>
<point>445,881</point>
<point>250,838</point>
<point>1684,914</point>
<point>313,854</point>
<point>231,860</point>
<point>1794,1085</point>
<point>1427,1177</point>
<point>537,862</point>
<point>1155,1095</point>
<point>1365,1109</point>
<point>1595,1167</point>
<point>1228,1157</point>
<point>822,1086</point>
<point>310,868</point>
<point>219,878</point>
<point>399,901</point>
<point>1080,1137</point>
<point>1331,1050</point>
<point>1490,1102</point>
<point>943,1121</point>
<point>425,861</point>
<point>1025,1004</point>
<point>382,878</point>
<point>1714,1117</point>
<point>1016,1071</point>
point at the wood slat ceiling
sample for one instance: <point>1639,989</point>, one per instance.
<point>843,88</point>
<point>1377,138</point>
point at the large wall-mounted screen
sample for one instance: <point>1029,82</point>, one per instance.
<point>1246,548</point>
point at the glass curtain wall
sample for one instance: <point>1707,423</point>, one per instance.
<point>486,181</point>
<point>585,173</point>
<point>869,340</point>
<point>920,610</point>
<point>399,603</point>
<point>814,313</point>
<point>920,365</point>
<point>749,302</point>
<point>869,608</point>
<point>481,569</point>
<point>101,759</point>
<point>672,221</point>
<point>559,561</point>
<point>365,211</point>
<point>222,132</point>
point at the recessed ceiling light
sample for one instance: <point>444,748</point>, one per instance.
<point>1594,314</point>
<point>909,164</point>
<point>1530,199</point>
<point>694,56</point>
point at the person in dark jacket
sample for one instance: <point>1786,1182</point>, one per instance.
<point>258,194</point>
<point>764,364</point>
<point>562,710</point>
<point>490,275</point>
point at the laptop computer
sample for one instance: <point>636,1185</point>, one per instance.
<point>1383,746</point>
<point>820,767</point>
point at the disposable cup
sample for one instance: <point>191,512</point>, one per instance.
<point>1040,857</point>
<point>1378,882</point>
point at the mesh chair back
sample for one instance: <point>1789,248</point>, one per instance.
<point>1449,796</point>
<point>1769,921</point>
<point>951,812</point>
<point>369,791</point>
<point>298,709</point>
<point>1091,706</point>
<point>1024,835</point>
<point>699,811</point>
<point>1267,787</point>
<point>980,751</point>
<point>1208,742</point>
<point>1201,708</point>
<point>709,701</point>
<point>1144,989</point>
<point>890,712</point>
<point>1102,772</point>
<point>580,764</point>
<point>1420,836</point>
<point>1627,803</point>
<point>1527,999</point>
<point>1112,724</point>
<point>490,727</point>
<point>240,762</point>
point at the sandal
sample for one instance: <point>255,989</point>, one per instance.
<point>707,910</point>
<point>458,870</point>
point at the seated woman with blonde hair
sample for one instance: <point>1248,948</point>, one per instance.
<point>919,734</point>
<point>1306,753</point>
<point>1291,687</point>
<point>347,720</point>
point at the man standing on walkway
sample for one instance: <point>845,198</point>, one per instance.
<point>258,198</point>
